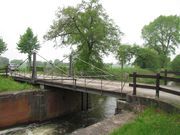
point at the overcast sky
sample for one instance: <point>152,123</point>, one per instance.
<point>129,15</point>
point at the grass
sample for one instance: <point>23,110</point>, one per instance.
<point>152,122</point>
<point>8,84</point>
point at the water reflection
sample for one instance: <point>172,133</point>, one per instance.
<point>101,108</point>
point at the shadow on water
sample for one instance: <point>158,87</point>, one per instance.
<point>101,108</point>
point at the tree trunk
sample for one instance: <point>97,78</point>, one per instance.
<point>122,64</point>
<point>29,61</point>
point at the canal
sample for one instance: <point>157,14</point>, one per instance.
<point>101,107</point>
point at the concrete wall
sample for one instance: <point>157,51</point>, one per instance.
<point>138,103</point>
<point>32,106</point>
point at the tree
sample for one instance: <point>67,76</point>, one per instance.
<point>4,62</point>
<point>87,27</point>
<point>147,58</point>
<point>163,35</point>
<point>124,54</point>
<point>3,46</point>
<point>28,43</point>
<point>57,62</point>
<point>175,64</point>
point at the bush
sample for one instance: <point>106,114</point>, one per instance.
<point>175,64</point>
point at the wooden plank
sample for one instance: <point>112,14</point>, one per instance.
<point>171,72</point>
<point>143,86</point>
<point>55,79</point>
<point>170,79</point>
<point>170,91</point>
<point>143,76</point>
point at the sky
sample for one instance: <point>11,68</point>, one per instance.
<point>129,15</point>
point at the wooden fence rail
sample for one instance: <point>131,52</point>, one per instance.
<point>165,72</point>
<point>157,86</point>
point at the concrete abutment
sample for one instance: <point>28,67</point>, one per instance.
<point>35,106</point>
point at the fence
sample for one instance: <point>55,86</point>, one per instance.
<point>169,72</point>
<point>157,86</point>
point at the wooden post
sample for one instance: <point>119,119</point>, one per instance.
<point>101,82</point>
<point>6,70</point>
<point>157,84</point>
<point>70,66</point>
<point>165,75</point>
<point>84,101</point>
<point>87,101</point>
<point>74,80</point>
<point>85,82</point>
<point>134,83</point>
<point>34,73</point>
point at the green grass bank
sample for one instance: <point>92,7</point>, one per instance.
<point>8,84</point>
<point>152,122</point>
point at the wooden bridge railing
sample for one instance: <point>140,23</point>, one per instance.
<point>157,86</point>
<point>169,72</point>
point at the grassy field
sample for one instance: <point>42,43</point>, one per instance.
<point>152,122</point>
<point>7,84</point>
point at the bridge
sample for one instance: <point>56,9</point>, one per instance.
<point>101,82</point>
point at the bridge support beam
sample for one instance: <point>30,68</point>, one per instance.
<point>34,72</point>
<point>85,101</point>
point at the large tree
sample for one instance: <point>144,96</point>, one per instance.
<point>163,35</point>
<point>28,43</point>
<point>3,46</point>
<point>88,27</point>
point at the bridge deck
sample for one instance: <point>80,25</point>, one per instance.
<point>104,87</point>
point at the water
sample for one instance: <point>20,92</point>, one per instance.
<point>101,108</point>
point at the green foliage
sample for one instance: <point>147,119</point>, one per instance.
<point>175,64</point>
<point>163,35</point>
<point>124,54</point>
<point>3,46</point>
<point>40,64</point>
<point>28,43</point>
<point>8,84</point>
<point>57,62</point>
<point>88,27</point>
<point>40,69</point>
<point>152,122</point>
<point>119,73</point>
<point>147,58</point>
<point>4,62</point>
<point>16,62</point>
